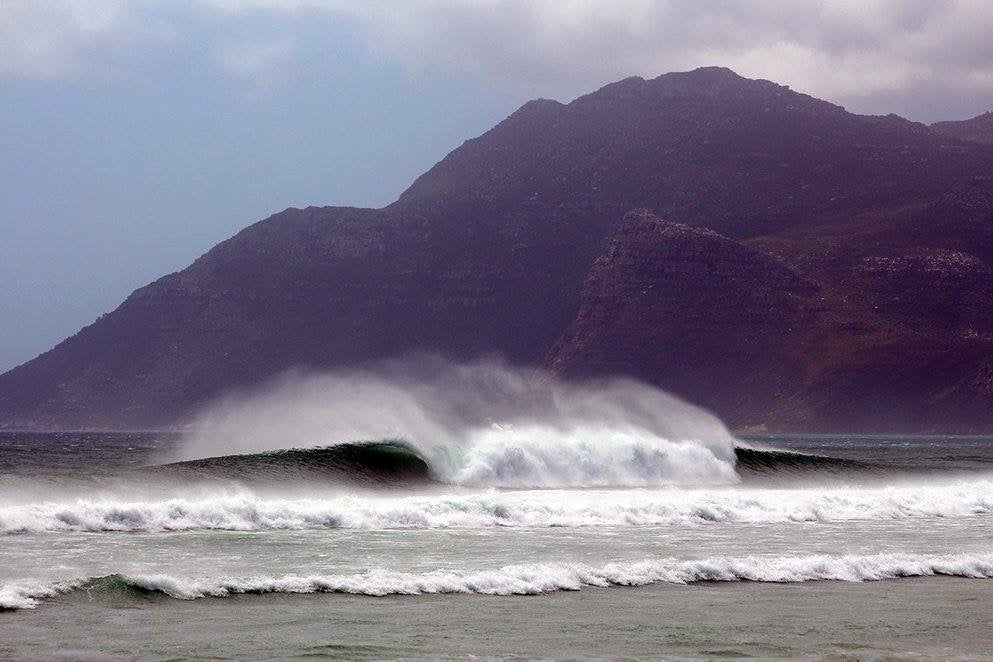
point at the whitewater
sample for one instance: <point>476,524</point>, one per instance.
<point>380,518</point>
<point>481,424</point>
<point>527,579</point>
<point>467,486</point>
<point>100,527</point>
<point>244,510</point>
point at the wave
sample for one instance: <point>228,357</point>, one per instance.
<point>539,456</point>
<point>526,579</point>
<point>517,459</point>
<point>481,424</point>
<point>750,460</point>
<point>378,462</point>
<point>498,457</point>
<point>246,511</point>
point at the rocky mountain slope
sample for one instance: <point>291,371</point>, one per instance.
<point>979,129</point>
<point>488,253</point>
<point>905,340</point>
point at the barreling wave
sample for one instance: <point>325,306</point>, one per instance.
<point>501,457</point>
<point>524,579</point>
<point>383,463</point>
<point>751,461</point>
<point>481,424</point>
<point>503,462</point>
<point>247,511</point>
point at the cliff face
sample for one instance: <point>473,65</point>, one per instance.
<point>489,250</point>
<point>899,341</point>
<point>695,312</point>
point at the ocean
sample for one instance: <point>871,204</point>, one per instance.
<point>842,547</point>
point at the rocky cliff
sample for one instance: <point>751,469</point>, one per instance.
<point>744,333</point>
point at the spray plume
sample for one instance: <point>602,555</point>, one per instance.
<point>481,423</point>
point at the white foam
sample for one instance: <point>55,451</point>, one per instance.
<point>246,511</point>
<point>26,594</point>
<point>482,424</point>
<point>588,456</point>
<point>537,578</point>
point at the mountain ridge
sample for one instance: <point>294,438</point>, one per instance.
<point>978,129</point>
<point>488,251</point>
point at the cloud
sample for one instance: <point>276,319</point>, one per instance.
<point>858,50</point>
<point>258,60</point>
<point>866,52</point>
<point>56,38</point>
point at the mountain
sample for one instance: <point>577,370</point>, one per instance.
<point>903,343</point>
<point>491,251</point>
<point>979,129</point>
<point>704,315</point>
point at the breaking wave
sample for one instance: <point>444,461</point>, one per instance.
<point>501,457</point>
<point>247,511</point>
<point>772,461</point>
<point>524,579</point>
<point>481,424</point>
<point>519,459</point>
<point>382,463</point>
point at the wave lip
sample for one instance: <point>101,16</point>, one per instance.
<point>775,461</point>
<point>544,508</point>
<point>530,456</point>
<point>387,463</point>
<point>534,578</point>
<point>512,456</point>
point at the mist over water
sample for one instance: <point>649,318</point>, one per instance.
<point>481,424</point>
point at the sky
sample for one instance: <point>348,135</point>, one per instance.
<point>135,134</point>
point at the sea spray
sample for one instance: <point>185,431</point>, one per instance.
<point>483,424</point>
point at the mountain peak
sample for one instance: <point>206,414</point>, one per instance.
<point>672,83</point>
<point>700,80</point>
<point>706,74</point>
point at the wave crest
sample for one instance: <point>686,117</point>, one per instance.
<point>532,578</point>
<point>537,456</point>
<point>250,512</point>
<point>482,424</point>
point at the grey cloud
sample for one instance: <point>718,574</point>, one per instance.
<point>862,54</point>
<point>881,55</point>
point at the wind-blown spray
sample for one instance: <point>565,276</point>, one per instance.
<point>482,423</point>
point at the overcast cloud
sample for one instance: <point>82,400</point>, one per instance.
<point>922,58</point>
